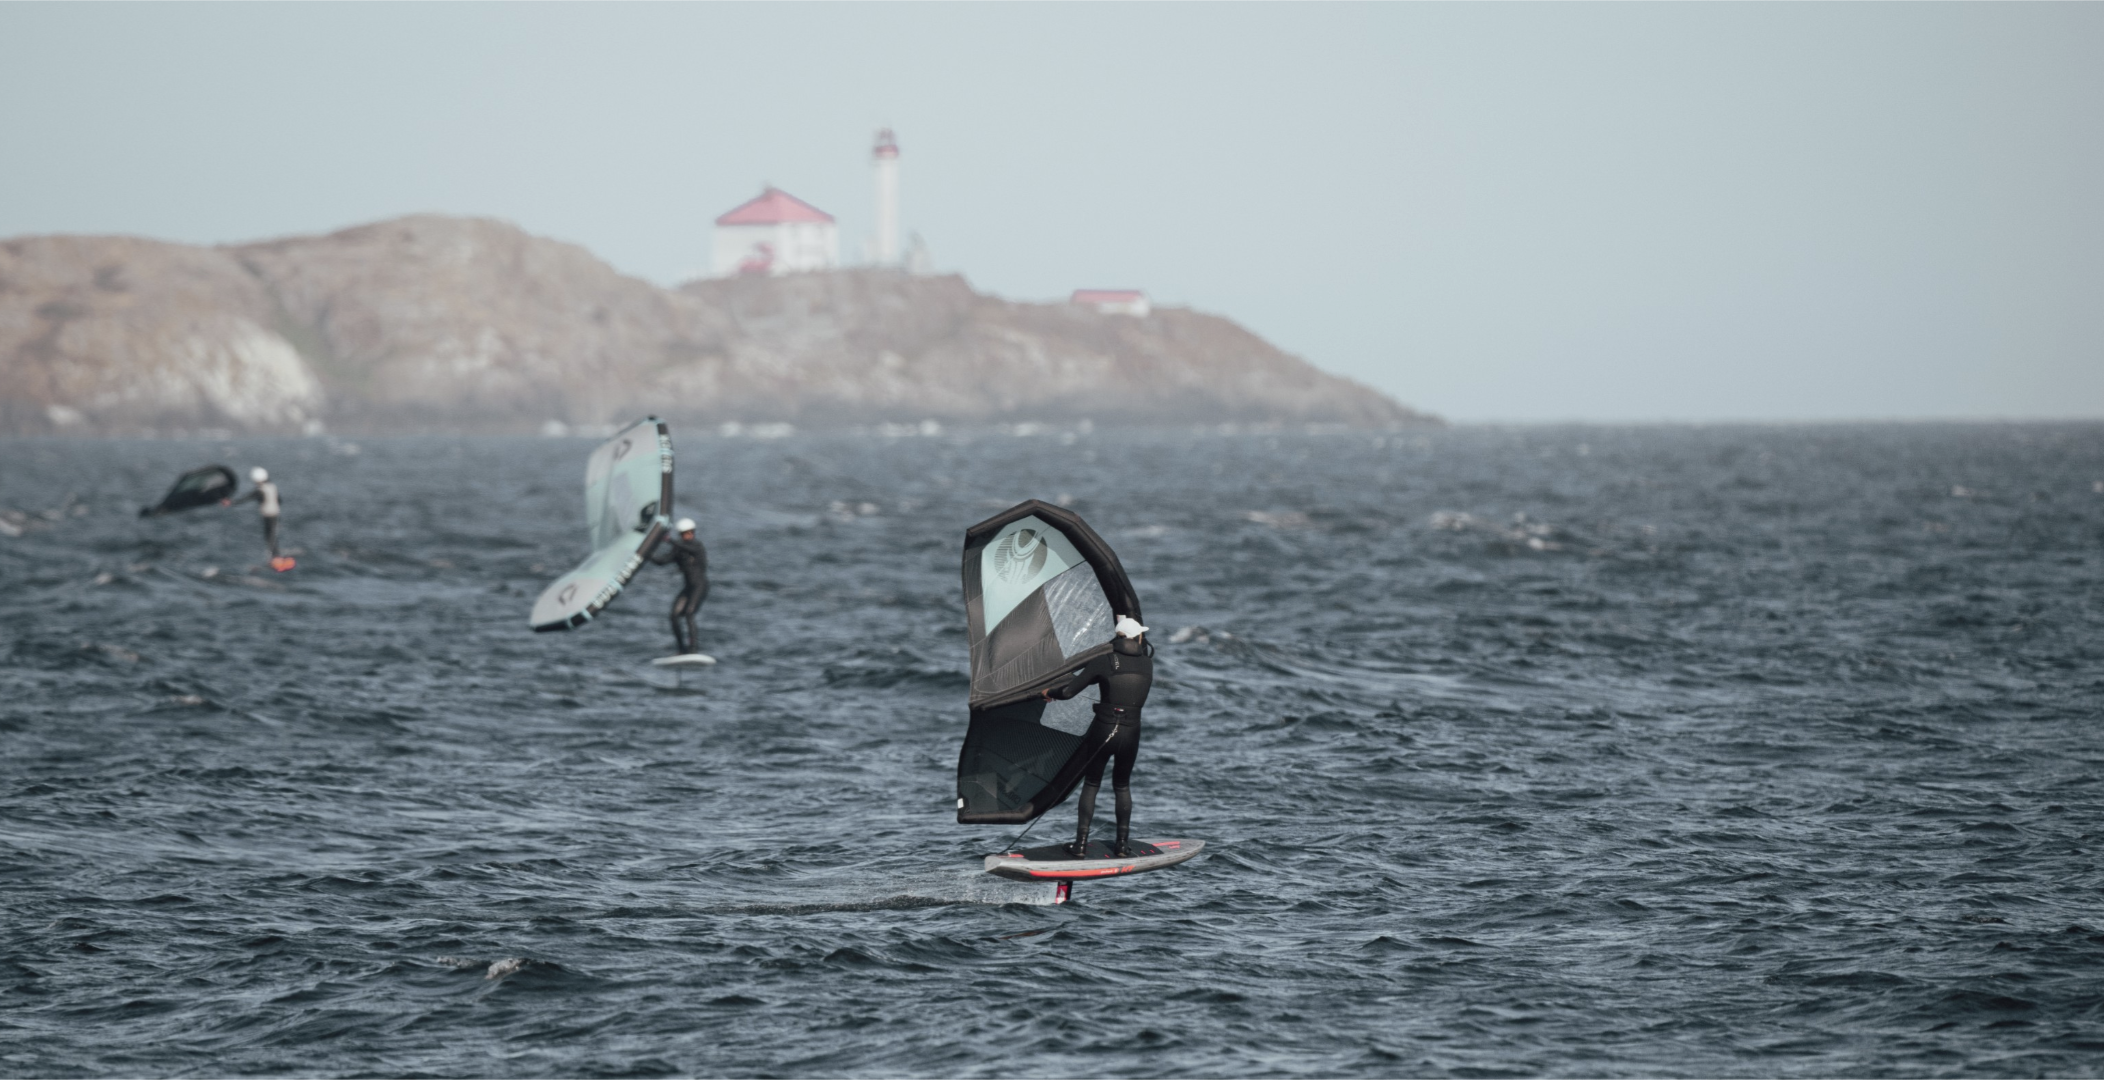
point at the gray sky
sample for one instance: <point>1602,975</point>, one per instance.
<point>1493,211</point>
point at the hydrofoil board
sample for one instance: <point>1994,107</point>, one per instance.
<point>1052,863</point>
<point>680,666</point>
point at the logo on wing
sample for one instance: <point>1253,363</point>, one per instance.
<point>1019,556</point>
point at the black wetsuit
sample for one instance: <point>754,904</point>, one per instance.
<point>693,560</point>
<point>1125,675</point>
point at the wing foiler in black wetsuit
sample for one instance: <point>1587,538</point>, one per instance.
<point>693,562</point>
<point>1126,674</point>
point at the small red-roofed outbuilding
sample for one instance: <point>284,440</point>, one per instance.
<point>1113,301</point>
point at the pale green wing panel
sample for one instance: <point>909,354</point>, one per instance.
<point>579,594</point>
<point>1027,554</point>
<point>624,481</point>
<point>627,497</point>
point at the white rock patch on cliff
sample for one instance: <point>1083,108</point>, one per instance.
<point>253,376</point>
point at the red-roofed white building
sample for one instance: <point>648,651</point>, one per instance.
<point>1113,301</point>
<point>776,233</point>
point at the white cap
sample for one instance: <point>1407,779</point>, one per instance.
<point>1130,627</point>
<point>259,474</point>
<point>686,525</point>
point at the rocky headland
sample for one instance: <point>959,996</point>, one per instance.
<point>430,323</point>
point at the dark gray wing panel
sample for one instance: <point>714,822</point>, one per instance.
<point>1008,762</point>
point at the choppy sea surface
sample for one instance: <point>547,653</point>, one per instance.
<point>1599,751</point>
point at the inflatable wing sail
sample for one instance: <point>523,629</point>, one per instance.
<point>198,487</point>
<point>627,497</point>
<point>1041,594</point>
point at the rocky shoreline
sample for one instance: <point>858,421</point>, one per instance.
<point>461,324</point>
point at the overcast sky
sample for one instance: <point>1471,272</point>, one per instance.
<point>1492,211</point>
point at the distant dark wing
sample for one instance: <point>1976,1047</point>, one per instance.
<point>198,487</point>
<point>1042,593</point>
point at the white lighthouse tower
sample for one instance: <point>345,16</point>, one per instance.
<point>884,159</point>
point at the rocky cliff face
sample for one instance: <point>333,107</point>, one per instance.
<point>408,324</point>
<point>885,345</point>
<point>136,333</point>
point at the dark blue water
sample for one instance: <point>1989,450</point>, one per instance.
<point>1728,751</point>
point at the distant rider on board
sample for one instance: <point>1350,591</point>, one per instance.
<point>265,494</point>
<point>1125,674</point>
<point>693,561</point>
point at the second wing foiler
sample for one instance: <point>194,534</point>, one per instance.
<point>1042,593</point>
<point>627,507</point>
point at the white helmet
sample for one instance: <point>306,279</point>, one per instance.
<point>1130,627</point>
<point>686,525</point>
<point>259,474</point>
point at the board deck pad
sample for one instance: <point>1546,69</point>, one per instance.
<point>685,660</point>
<point>1052,863</point>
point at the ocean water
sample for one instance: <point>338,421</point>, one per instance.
<point>1601,751</point>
